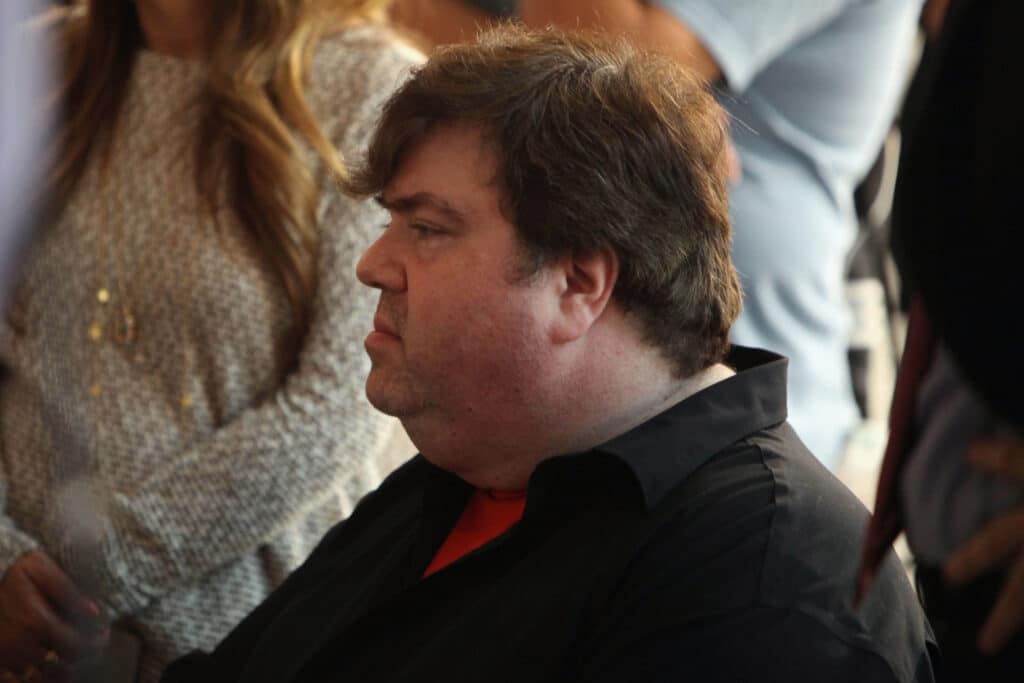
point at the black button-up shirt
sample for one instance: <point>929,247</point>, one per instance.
<point>706,544</point>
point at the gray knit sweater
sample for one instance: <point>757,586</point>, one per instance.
<point>181,474</point>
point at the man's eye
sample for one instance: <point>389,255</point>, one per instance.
<point>425,230</point>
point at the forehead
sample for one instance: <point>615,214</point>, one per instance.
<point>453,165</point>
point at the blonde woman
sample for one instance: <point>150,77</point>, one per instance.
<point>182,412</point>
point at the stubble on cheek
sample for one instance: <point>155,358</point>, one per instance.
<point>489,365</point>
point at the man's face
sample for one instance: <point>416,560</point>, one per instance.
<point>461,346</point>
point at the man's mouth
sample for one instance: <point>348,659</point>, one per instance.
<point>384,326</point>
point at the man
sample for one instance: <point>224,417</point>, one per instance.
<point>811,88</point>
<point>953,474</point>
<point>605,491</point>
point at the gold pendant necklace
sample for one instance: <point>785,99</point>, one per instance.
<point>124,326</point>
<point>115,316</point>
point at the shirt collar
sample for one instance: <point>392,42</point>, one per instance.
<point>666,449</point>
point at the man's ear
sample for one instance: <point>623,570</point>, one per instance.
<point>586,282</point>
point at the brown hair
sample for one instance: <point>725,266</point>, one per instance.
<point>257,63</point>
<point>598,144</point>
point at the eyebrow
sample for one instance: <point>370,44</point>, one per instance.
<point>419,200</point>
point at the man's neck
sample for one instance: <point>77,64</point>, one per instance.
<point>702,380</point>
<point>616,408</point>
<point>650,397</point>
<point>175,28</point>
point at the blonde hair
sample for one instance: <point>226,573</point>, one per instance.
<point>257,62</point>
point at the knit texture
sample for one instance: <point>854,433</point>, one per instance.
<point>181,519</point>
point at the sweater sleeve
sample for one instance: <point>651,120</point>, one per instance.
<point>315,436</point>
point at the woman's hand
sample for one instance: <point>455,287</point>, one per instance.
<point>47,624</point>
<point>1001,542</point>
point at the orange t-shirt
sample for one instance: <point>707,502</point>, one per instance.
<point>487,515</point>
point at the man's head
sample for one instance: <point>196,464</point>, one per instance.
<point>558,210</point>
<point>597,145</point>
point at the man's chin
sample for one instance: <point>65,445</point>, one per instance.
<point>387,400</point>
<point>384,406</point>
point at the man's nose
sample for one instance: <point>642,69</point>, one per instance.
<point>380,267</point>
